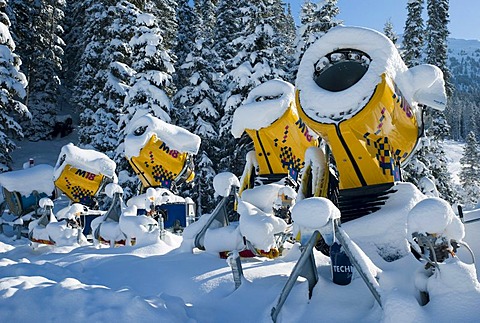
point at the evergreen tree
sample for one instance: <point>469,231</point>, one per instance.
<point>436,39</point>
<point>184,42</point>
<point>166,13</point>
<point>260,57</point>
<point>12,89</point>
<point>102,83</point>
<point>200,102</point>
<point>41,49</point>
<point>470,173</point>
<point>390,32</point>
<point>437,128</point>
<point>150,85</point>
<point>413,34</point>
<point>315,21</point>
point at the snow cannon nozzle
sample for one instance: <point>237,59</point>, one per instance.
<point>339,70</point>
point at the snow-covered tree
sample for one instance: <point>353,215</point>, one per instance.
<point>104,79</point>
<point>260,57</point>
<point>315,21</point>
<point>435,156</point>
<point>436,38</point>
<point>184,42</point>
<point>38,31</point>
<point>12,86</point>
<point>470,173</point>
<point>150,86</point>
<point>413,34</point>
<point>389,31</point>
<point>165,11</point>
<point>437,129</point>
<point>200,102</point>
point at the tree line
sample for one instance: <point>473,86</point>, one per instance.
<point>188,63</point>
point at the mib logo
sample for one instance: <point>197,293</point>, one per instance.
<point>85,174</point>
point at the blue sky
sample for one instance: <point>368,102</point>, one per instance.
<point>464,21</point>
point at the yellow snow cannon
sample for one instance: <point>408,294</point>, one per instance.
<point>355,91</point>
<point>82,173</point>
<point>161,154</point>
<point>280,137</point>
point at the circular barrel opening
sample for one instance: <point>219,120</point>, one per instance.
<point>341,69</point>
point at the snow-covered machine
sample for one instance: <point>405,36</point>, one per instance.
<point>355,91</point>
<point>82,173</point>
<point>22,200</point>
<point>279,135</point>
<point>161,155</point>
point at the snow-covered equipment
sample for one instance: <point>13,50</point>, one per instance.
<point>171,211</point>
<point>22,200</point>
<point>354,90</point>
<point>121,225</point>
<point>226,185</point>
<point>318,219</point>
<point>435,233</point>
<point>279,135</point>
<point>52,231</point>
<point>161,154</point>
<point>106,229</point>
<point>82,173</point>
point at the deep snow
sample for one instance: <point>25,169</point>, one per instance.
<point>161,282</point>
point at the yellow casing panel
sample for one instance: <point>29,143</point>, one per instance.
<point>158,165</point>
<point>369,146</point>
<point>280,147</point>
<point>79,185</point>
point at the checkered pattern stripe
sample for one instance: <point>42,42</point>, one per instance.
<point>289,160</point>
<point>383,153</point>
<point>162,175</point>
<point>81,194</point>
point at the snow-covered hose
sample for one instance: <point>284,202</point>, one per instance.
<point>468,248</point>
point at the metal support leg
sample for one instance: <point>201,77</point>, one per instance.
<point>306,268</point>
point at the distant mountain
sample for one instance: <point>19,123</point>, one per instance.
<point>464,64</point>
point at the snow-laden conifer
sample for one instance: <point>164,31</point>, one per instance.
<point>12,86</point>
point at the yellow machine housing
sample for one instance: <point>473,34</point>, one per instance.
<point>79,185</point>
<point>158,165</point>
<point>370,146</point>
<point>280,147</point>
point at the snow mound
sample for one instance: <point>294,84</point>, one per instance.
<point>259,227</point>
<point>314,212</point>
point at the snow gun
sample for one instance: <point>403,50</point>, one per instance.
<point>22,200</point>
<point>279,136</point>
<point>161,154</point>
<point>355,91</point>
<point>82,173</point>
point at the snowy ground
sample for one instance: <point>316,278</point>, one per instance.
<point>158,282</point>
